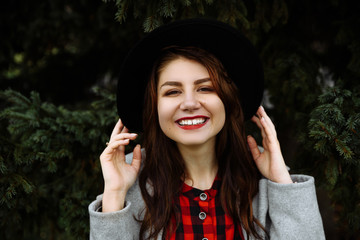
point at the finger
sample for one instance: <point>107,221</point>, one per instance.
<point>116,145</point>
<point>268,130</point>
<point>255,152</point>
<point>125,130</point>
<point>136,162</point>
<point>256,120</point>
<point>117,129</point>
<point>122,136</point>
<point>262,113</point>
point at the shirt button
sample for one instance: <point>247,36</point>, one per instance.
<point>202,215</point>
<point>204,239</point>
<point>203,196</point>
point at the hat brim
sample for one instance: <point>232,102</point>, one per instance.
<point>234,50</point>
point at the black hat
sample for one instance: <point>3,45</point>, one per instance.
<point>228,44</point>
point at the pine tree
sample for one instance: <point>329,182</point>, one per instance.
<point>154,13</point>
<point>334,133</point>
<point>49,165</point>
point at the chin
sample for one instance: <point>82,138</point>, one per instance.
<point>195,142</point>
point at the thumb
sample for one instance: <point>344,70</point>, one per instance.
<point>255,152</point>
<point>136,161</point>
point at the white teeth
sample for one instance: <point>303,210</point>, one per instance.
<point>189,122</point>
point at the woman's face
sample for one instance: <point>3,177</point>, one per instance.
<point>190,111</point>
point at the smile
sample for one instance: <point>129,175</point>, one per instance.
<point>191,122</point>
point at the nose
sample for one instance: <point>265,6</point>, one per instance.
<point>190,102</point>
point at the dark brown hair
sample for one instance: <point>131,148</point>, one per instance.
<point>164,168</point>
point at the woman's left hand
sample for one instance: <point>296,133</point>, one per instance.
<point>270,162</point>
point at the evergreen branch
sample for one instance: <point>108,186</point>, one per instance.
<point>186,3</point>
<point>14,97</point>
<point>151,23</point>
<point>44,142</point>
<point>354,131</point>
<point>122,10</point>
<point>3,168</point>
<point>343,149</point>
<point>331,172</point>
<point>167,8</point>
<point>200,7</point>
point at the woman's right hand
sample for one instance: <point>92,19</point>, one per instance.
<point>118,175</point>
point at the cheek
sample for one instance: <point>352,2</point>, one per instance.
<point>219,109</point>
<point>218,104</point>
<point>164,114</point>
<point>222,114</point>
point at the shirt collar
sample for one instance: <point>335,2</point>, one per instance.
<point>194,193</point>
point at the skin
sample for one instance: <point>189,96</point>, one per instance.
<point>270,162</point>
<point>196,147</point>
<point>185,90</point>
<point>118,175</point>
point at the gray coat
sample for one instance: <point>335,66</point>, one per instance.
<point>288,211</point>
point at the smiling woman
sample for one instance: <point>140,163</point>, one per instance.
<point>202,178</point>
<point>189,104</point>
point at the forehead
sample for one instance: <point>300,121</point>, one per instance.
<point>182,70</point>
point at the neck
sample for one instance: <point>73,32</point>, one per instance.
<point>201,165</point>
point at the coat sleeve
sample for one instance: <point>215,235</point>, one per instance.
<point>114,225</point>
<point>289,211</point>
<point>122,224</point>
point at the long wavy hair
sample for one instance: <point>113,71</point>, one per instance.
<point>164,168</point>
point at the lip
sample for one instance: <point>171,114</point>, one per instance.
<point>191,127</point>
<point>192,117</point>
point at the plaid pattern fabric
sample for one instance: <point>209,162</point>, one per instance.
<point>203,216</point>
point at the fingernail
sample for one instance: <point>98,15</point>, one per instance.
<point>262,107</point>
<point>133,134</point>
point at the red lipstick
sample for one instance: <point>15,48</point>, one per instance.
<point>192,122</point>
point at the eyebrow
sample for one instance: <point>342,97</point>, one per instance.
<point>176,83</point>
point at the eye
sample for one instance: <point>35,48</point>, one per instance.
<point>206,89</point>
<point>172,92</point>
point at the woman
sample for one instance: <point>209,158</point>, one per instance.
<point>202,177</point>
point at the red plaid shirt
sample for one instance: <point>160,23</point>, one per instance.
<point>202,216</point>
